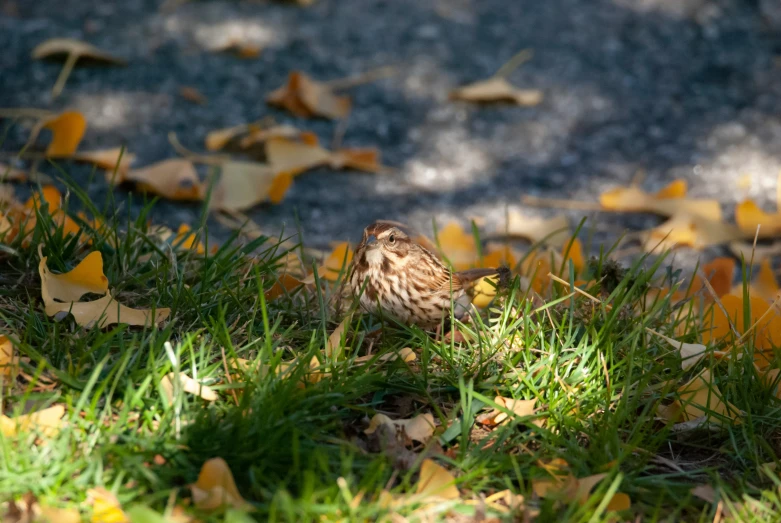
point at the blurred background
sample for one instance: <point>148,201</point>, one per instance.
<point>673,89</point>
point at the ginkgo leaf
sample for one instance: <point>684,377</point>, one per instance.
<point>701,397</point>
<point>420,428</point>
<point>188,385</point>
<point>297,156</point>
<point>691,353</point>
<point>436,482</point>
<point>245,184</point>
<point>749,217</point>
<point>563,485</point>
<point>521,408</point>
<point>497,89</point>
<point>104,312</point>
<point>305,98</point>
<point>574,251</point>
<point>554,231</point>
<point>689,230</point>
<point>47,421</point>
<point>406,355</point>
<point>117,158</point>
<point>240,48</point>
<point>668,201</point>
<point>333,346</point>
<point>538,268</point>
<point>457,245</point>
<point>11,174</point>
<point>60,515</point>
<point>765,284</point>
<point>9,361</point>
<point>335,264</point>
<point>72,50</point>
<point>719,272</point>
<point>216,487</point>
<point>86,277</point>
<point>218,139</point>
<point>174,179</point>
<point>187,239</point>
<point>106,508</point>
<point>285,283</point>
<point>259,136</point>
<point>497,256</point>
<point>67,131</point>
<point>757,253</point>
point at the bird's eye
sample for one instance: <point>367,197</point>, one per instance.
<point>391,239</point>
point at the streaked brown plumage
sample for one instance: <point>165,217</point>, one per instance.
<point>406,281</point>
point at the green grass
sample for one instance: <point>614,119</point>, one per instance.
<point>596,374</point>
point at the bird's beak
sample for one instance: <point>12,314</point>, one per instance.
<point>371,240</point>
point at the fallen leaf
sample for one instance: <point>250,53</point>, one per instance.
<point>60,515</point>
<point>497,89</point>
<point>749,216</point>
<point>260,136</point>
<point>521,409</point>
<point>766,334</point>
<point>67,131</point>
<point>9,361</point>
<point>336,264</point>
<point>765,285</point>
<point>565,486</point>
<point>216,140</point>
<point>305,98</point>
<point>689,230</point>
<point>216,487</point>
<point>240,48</point>
<point>457,245</point>
<point>719,272</point>
<point>285,283</point>
<point>537,268</point>
<point>420,428</point>
<point>174,179</point>
<point>748,252</point>
<point>436,482</point>
<point>112,159</point>
<point>574,251</point>
<point>191,94</point>
<point>47,421</point>
<point>186,239</point>
<point>406,354</point>
<point>701,397</point>
<point>691,353</point>
<point>86,277</point>
<point>187,384</point>
<point>245,184</point>
<point>104,311</point>
<point>668,201</point>
<point>105,507</point>
<point>705,493</point>
<point>552,231</point>
<point>294,157</point>
<point>11,174</point>
<point>73,50</point>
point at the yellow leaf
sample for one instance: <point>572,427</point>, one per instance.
<point>111,159</point>
<point>186,239</point>
<point>67,131</point>
<point>749,216</point>
<point>575,253</point>
<point>689,230</point>
<point>436,482</point>
<point>554,231</point>
<point>667,202</point>
<point>188,385</point>
<point>60,515</point>
<point>9,362</point>
<point>105,311</point>
<point>105,507</point>
<point>285,283</point>
<point>497,89</point>
<point>537,267</point>
<point>305,98</point>
<point>46,421</point>
<point>420,428</point>
<point>498,256</point>
<point>619,501</point>
<point>333,346</point>
<point>216,487</point>
<point>335,264</point>
<point>406,354</point>
<point>765,285</point>
<point>295,156</point>
<point>73,50</point>
<point>521,408</point>
<point>259,136</point>
<point>457,246</point>
<point>691,353</point>
<point>700,395</point>
<point>240,48</point>
<point>86,277</point>
<point>719,272</point>
<point>216,140</point>
<point>174,179</point>
<point>245,184</point>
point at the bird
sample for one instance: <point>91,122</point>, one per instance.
<point>393,275</point>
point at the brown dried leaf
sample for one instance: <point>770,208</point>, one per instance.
<point>245,184</point>
<point>111,159</point>
<point>174,179</point>
<point>420,428</point>
<point>497,89</point>
<point>305,98</point>
<point>188,385</point>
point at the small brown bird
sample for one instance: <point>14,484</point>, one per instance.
<point>407,282</point>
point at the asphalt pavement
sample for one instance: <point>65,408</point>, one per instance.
<point>678,88</point>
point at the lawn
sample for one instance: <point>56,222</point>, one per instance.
<point>615,423</point>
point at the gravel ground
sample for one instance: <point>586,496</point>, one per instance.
<point>680,88</point>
